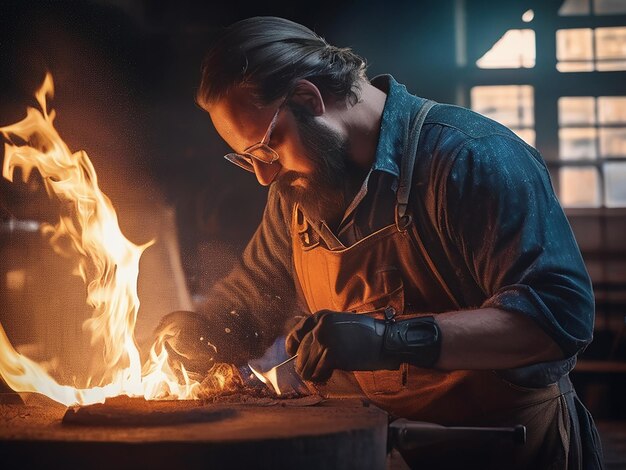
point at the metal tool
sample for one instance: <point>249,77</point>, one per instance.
<point>282,378</point>
<point>406,434</point>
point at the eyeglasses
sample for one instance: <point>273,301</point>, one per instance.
<point>261,151</point>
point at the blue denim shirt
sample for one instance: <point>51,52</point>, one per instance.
<point>486,209</point>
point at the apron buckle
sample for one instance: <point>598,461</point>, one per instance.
<point>402,219</point>
<point>390,313</point>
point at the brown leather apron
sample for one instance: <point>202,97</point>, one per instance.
<point>390,268</point>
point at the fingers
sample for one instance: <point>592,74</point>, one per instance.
<point>175,361</point>
<point>296,335</point>
<point>193,364</point>
<point>313,362</point>
<point>323,370</point>
<point>183,336</point>
<point>177,319</point>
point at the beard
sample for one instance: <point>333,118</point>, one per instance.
<point>321,195</point>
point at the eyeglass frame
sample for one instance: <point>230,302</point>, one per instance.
<point>245,159</point>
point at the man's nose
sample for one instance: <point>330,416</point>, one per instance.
<point>266,172</point>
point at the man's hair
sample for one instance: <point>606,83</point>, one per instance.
<point>268,55</point>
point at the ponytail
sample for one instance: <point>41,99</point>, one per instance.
<point>269,54</point>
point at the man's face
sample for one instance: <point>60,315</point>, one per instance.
<point>320,192</point>
<point>313,159</point>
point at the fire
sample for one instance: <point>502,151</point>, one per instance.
<point>88,232</point>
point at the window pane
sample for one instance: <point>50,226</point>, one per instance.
<point>526,105</point>
<point>613,142</point>
<point>608,7</point>
<point>611,65</point>
<point>577,110</point>
<point>577,143</point>
<point>574,7</point>
<point>611,48</point>
<point>513,50</point>
<point>574,44</point>
<point>511,105</point>
<point>612,110</point>
<point>574,66</point>
<point>579,187</point>
<point>615,184</point>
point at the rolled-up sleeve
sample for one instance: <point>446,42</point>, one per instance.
<point>501,211</point>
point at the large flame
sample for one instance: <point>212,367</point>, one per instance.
<point>88,232</point>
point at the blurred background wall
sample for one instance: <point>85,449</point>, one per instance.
<point>126,73</point>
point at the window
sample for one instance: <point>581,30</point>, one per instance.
<point>592,150</point>
<point>579,187</point>
<point>587,49</point>
<point>600,7</point>
<point>516,49</point>
<point>511,105</point>
<point>564,94</point>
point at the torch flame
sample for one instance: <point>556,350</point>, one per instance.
<point>108,263</point>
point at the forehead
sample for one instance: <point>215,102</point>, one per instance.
<point>238,121</point>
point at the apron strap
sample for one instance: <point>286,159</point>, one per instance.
<point>408,162</point>
<point>585,450</point>
<point>574,452</point>
<point>404,220</point>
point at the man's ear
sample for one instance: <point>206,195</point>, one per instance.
<point>307,95</point>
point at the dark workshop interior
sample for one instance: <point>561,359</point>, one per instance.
<point>126,74</point>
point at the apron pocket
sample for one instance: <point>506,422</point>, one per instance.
<point>388,292</point>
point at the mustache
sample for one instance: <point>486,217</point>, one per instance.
<point>289,177</point>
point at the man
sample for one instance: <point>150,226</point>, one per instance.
<point>423,243</point>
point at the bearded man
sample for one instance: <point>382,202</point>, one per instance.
<point>420,245</point>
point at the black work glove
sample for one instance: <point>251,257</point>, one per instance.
<point>331,340</point>
<point>191,340</point>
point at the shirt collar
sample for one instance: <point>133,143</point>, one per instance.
<point>391,139</point>
<point>393,123</point>
<point>389,151</point>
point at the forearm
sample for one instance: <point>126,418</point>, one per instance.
<point>490,338</point>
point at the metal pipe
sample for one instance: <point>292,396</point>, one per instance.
<point>405,434</point>
<point>17,225</point>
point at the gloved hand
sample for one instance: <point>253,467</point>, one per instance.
<point>191,340</point>
<point>331,340</point>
